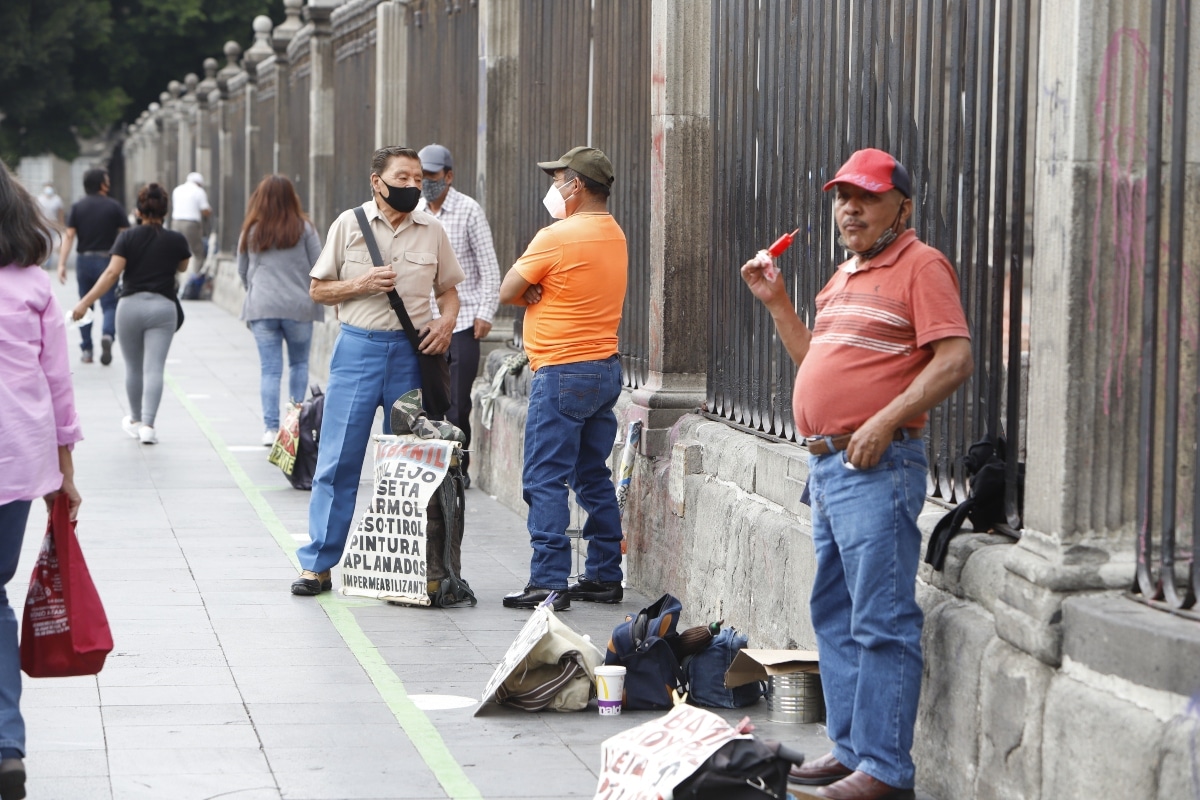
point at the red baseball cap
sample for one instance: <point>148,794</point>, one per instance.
<point>875,171</point>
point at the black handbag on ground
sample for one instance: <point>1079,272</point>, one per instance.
<point>435,369</point>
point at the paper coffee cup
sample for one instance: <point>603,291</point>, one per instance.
<point>610,688</point>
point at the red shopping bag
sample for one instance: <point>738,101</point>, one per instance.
<point>64,630</point>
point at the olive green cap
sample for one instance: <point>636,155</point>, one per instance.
<point>587,161</point>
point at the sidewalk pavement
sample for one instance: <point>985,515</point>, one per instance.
<point>223,684</point>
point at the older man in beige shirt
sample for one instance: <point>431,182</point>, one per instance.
<point>373,361</point>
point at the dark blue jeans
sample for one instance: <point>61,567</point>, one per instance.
<point>13,517</point>
<point>88,270</point>
<point>864,606</point>
<point>569,434</point>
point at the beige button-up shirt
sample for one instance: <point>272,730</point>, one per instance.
<point>418,251</point>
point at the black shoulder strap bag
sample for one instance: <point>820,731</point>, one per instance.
<point>435,369</point>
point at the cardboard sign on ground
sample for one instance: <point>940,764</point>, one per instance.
<point>757,665</point>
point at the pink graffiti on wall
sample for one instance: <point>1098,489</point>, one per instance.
<point>1122,217</point>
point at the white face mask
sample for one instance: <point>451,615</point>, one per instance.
<point>555,203</point>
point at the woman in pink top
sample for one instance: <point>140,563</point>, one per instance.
<point>37,427</point>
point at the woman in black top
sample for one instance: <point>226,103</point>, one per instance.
<point>148,312</point>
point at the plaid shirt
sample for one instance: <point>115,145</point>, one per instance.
<point>471,238</point>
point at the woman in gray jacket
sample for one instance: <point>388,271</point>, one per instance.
<point>277,248</point>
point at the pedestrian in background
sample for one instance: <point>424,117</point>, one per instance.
<point>39,427</point>
<point>277,249</point>
<point>52,209</point>
<point>572,279</point>
<point>95,220</point>
<point>889,342</point>
<point>478,295</point>
<point>189,209</point>
<point>146,259</point>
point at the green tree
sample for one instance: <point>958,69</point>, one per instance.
<point>73,68</point>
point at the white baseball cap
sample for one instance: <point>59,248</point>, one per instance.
<point>196,178</point>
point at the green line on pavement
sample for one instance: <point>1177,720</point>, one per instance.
<point>416,725</point>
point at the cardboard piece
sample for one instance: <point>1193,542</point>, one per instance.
<point>757,665</point>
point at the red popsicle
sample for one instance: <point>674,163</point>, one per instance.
<point>782,244</point>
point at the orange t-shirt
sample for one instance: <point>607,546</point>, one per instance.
<point>582,263</point>
<point>871,339</point>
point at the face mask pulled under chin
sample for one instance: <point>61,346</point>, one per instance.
<point>402,198</point>
<point>555,203</point>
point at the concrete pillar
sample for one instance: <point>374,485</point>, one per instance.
<point>499,119</point>
<point>391,74</point>
<point>1086,290</point>
<point>681,170</point>
<point>189,126</point>
<point>257,162</point>
<point>321,111</point>
<point>281,37</point>
<point>228,175</point>
<point>204,108</point>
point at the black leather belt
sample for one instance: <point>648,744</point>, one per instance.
<point>820,445</point>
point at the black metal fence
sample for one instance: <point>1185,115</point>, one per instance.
<point>797,86</point>
<point>1168,570</point>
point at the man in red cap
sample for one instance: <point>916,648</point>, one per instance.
<point>890,341</point>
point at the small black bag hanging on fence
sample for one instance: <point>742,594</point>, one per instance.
<point>984,505</point>
<point>435,369</point>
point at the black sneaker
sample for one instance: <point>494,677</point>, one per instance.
<point>106,350</point>
<point>596,591</point>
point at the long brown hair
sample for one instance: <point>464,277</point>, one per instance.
<point>274,219</point>
<point>24,234</point>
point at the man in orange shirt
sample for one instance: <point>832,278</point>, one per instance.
<point>572,281</point>
<point>890,341</point>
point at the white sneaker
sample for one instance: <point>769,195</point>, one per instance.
<point>130,426</point>
<point>268,438</point>
<point>147,435</point>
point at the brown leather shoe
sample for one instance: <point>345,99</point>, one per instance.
<point>822,772</point>
<point>861,786</point>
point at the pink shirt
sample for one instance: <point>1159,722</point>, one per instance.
<point>37,402</point>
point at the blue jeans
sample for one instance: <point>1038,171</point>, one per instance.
<point>12,530</point>
<point>88,270</point>
<point>569,434</point>
<point>864,607</point>
<point>368,369</point>
<point>269,335</point>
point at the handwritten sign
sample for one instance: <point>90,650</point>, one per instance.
<point>649,761</point>
<point>386,556</point>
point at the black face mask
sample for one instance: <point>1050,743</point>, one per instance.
<point>402,198</point>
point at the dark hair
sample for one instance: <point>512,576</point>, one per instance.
<point>275,215</point>
<point>152,202</point>
<point>592,187</point>
<point>24,234</point>
<point>384,155</point>
<point>93,179</point>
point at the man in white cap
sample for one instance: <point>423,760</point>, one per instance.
<point>889,342</point>
<point>189,209</point>
<point>479,294</point>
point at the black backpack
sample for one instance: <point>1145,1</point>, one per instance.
<point>642,644</point>
<point>743,769</point>
<point>984,505</point>
<point>312,411</point>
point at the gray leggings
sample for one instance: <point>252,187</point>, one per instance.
<point>145,327</point>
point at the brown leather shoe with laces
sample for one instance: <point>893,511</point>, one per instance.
<point>861,786</point>
<point>820,772</point>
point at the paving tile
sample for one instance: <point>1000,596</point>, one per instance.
<point>189,714</point>
<point>385,736</point>
<point>317,712</point>
<point>253,786</point>
<point>40,737</point>
<point>168,695</point>
<point>58,787</point>
<point>67,763</point>
<point>338,773</point>
<point>185,735</point>
<point>188,761</point>
<point>40,696</point>
<point>248,656</point>
<point>303,691</point>
<point>165,657</point>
